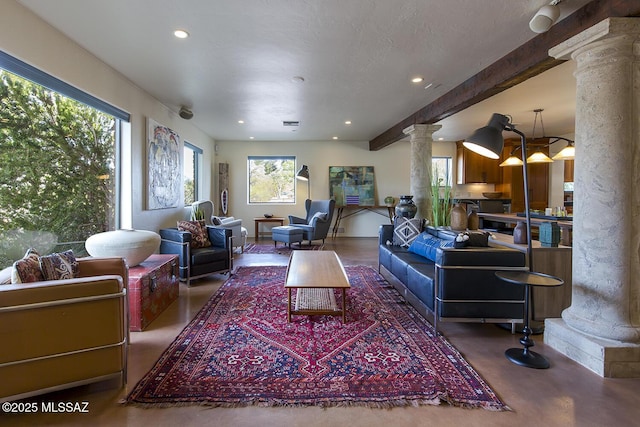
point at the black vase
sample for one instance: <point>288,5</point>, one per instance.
<point>405,207</point>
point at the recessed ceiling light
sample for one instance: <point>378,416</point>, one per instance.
<point>348,122</point>
<point>417,80</point>
<point>241,121</point>
<point>181,34</point>
<point>335,137</point>
<point>252,137</point>
<point>440,139</point>
<point>297,79</point>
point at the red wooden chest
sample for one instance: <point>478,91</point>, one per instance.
<point>153,285</point>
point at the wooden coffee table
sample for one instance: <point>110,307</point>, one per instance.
<point>315,274</point>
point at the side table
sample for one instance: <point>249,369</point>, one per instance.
<point>153,286</point>
<point>524,356</point>
<point>264,219</point>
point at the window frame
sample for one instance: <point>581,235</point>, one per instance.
<point>197,166</point>
<point>448,169</point>
<point>293,180</point>
<point>37,76</point>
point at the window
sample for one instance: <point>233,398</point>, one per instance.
<point>191,165</point>
<point>271,179</point>
<point>59,181</point>
<point>441,170</point>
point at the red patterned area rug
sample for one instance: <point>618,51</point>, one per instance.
<point>270,248</point>
<point>239,350</point>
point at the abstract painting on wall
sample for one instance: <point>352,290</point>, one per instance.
<point>164,167</point>
<point>352,185</point>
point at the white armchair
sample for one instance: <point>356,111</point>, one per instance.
<point>238,232</point>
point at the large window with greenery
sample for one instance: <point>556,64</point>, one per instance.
<point>191,166</point>
<point>59,176</point>
<point>442,173</point>
<point>271,179</point>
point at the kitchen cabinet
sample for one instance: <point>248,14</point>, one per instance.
<point>474,168</point>
<point>568,171</point>
<point>512,183</point>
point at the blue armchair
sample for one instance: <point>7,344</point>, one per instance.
<point>200,262</point>
<point>318,220</point>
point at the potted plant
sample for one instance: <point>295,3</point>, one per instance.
<point>440,201</point>
<point>197,214</point>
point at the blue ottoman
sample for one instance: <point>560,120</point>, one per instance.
<point>286,234</point>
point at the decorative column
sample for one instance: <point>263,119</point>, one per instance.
<point>421,150</point>
<point>601,328</point>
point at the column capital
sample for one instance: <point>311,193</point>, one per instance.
<point>608,28</point>
<point>421,131</point>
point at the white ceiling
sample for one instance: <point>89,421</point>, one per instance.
<point>356,57</point>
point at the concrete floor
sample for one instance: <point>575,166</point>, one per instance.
<point>564,395</point>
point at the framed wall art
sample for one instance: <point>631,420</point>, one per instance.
<point>352,185</point>
<point>164,167</point>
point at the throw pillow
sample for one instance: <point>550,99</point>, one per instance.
<point>198,230</point>
<point>406,230</point>
<point>27,269</point>
<point>5,276</point>
<point>427,245</point>
<point>59,266</point>
<point>478,238</point>
<point>320,215</point>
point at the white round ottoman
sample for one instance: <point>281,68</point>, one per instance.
<point>133,245</point>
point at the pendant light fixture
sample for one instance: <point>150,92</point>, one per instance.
<point>567,153</point>
<point>538,156</point>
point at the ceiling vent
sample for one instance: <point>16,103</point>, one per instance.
<point>291,123</point>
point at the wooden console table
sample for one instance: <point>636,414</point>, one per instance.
<point>262,219</point>
<point>340,214</point>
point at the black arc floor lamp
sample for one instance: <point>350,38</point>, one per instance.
<point>303,175</point>
<point>488,141</point>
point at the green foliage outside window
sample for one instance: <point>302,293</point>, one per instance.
<point>271,179</point>
<point>57,178</point>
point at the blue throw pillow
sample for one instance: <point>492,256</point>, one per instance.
<point>427,245</point>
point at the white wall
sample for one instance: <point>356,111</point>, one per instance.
<point>391,167</point>
<point>28,38</point>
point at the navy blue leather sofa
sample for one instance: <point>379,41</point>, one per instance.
<point>454,284</point>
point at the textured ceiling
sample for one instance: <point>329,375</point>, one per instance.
<point>356,57</point>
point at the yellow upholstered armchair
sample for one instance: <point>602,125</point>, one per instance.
<point>64,333</point>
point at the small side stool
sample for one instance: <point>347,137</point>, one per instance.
<point>286,234</point>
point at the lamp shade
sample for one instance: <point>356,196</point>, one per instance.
<point>512,161</point>
<point>487,141</point>
<point>539,157</point>
<point>567,153</point>
<point>303,173</point>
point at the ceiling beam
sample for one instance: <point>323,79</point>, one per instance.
<point>529,60</point>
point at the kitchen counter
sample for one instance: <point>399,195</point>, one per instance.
<point>566,227</point>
